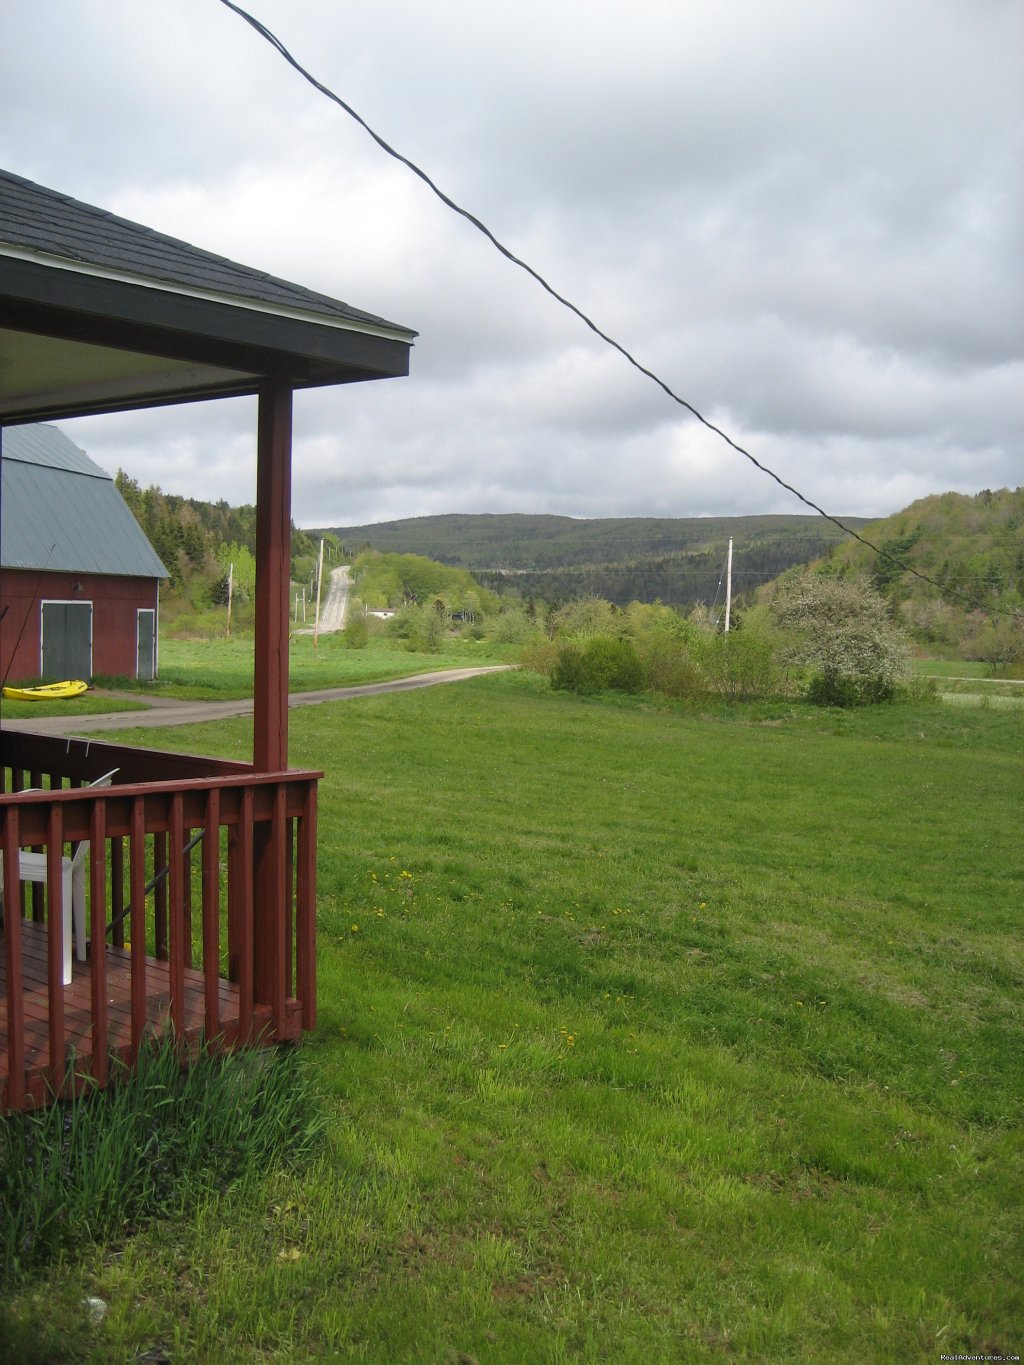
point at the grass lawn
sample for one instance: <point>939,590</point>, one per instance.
<point>644,1036</point>
<point>221,669</point>
<point>951,668</point>
<point>88,704</point>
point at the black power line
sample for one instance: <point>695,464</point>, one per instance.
<point>509,255</point>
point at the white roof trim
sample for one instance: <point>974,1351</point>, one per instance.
<point>210,296</point>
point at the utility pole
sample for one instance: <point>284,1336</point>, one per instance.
<point>319,581</point>
<point>728,586</point>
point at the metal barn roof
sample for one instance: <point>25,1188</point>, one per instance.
<point>61,512</point>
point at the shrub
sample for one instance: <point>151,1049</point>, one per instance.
<point>838,689</point>
<point>513,627</point>
<point>567,672</point>
<point>602,664</point>
<point>670,668</point>
<point>356,634</point>
<point>841,629</point>
<point>422,627</point>
<point>741,665</point>
<point>584,616</point>
<point>540,655</point>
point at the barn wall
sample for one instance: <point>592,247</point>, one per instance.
<point>115,602</point>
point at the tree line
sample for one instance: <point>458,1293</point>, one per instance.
<point>197,540</point>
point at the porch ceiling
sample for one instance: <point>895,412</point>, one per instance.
<point>75,343</point>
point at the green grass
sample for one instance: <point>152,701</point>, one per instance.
<point>951,668</point>
<point>222,669</point>
<point>643,1035</point>
<point>964,682</point>
<point>152,1144</point>
<point>88,704</point>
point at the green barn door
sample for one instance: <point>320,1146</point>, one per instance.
<point>67,640</point>
<point>145,669</point>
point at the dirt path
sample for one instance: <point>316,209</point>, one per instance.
<point>166,711</point>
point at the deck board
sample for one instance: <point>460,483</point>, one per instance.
<point>78,1009</point>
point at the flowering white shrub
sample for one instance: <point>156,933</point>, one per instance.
<point>841,628</point>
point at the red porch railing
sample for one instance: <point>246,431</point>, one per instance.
<point>201,894</point>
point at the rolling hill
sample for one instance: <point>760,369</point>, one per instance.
<point>678,560</point>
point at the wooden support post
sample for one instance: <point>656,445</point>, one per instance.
<point>273,572</point>
<point>270,710</point>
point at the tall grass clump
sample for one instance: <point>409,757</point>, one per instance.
<point>154,1144</point>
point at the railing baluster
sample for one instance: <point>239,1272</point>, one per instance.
<point>137,921</point>
<point>244,917</point>
<point>305,908</point>
<point>55,944</point>
<point>14,966</point>
<point>160,897</point>
<point>187,905</point>
<point>98,936</point>
<point>268,913</point>
<point>117,890</point>
<point>287,913</point>
<point>211,914</point>
<point>177,909</point>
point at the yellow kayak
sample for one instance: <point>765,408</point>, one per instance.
<point>48,691</point>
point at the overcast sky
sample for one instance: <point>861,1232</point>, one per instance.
<point>806,217</point>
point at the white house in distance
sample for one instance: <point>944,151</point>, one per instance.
<point>79,581</point>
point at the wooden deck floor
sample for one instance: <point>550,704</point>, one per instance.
<point>78,1010</point>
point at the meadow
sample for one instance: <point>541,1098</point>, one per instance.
<point>220,669</point>
<point>645,1034</point>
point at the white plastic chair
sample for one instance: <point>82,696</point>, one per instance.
<point>32,868</point>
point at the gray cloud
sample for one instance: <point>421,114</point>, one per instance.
<point>806,218</point>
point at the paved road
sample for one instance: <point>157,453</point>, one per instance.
<point>334,607</point>
<point>165,711</point>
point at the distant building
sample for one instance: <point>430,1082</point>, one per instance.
<point>79,580</point>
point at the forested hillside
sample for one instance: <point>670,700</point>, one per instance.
<point>678,560</point>
<point>197,542</point>
<point>391,580</point>
<point>973,548</point>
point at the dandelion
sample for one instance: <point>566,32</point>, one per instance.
<point>355,929</point>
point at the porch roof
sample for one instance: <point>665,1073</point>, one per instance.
<point>102,314</point>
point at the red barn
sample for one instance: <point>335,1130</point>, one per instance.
<point>79,580</point>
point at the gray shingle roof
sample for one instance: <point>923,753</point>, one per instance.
<point>39,219</point>
<point>60,511</point>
